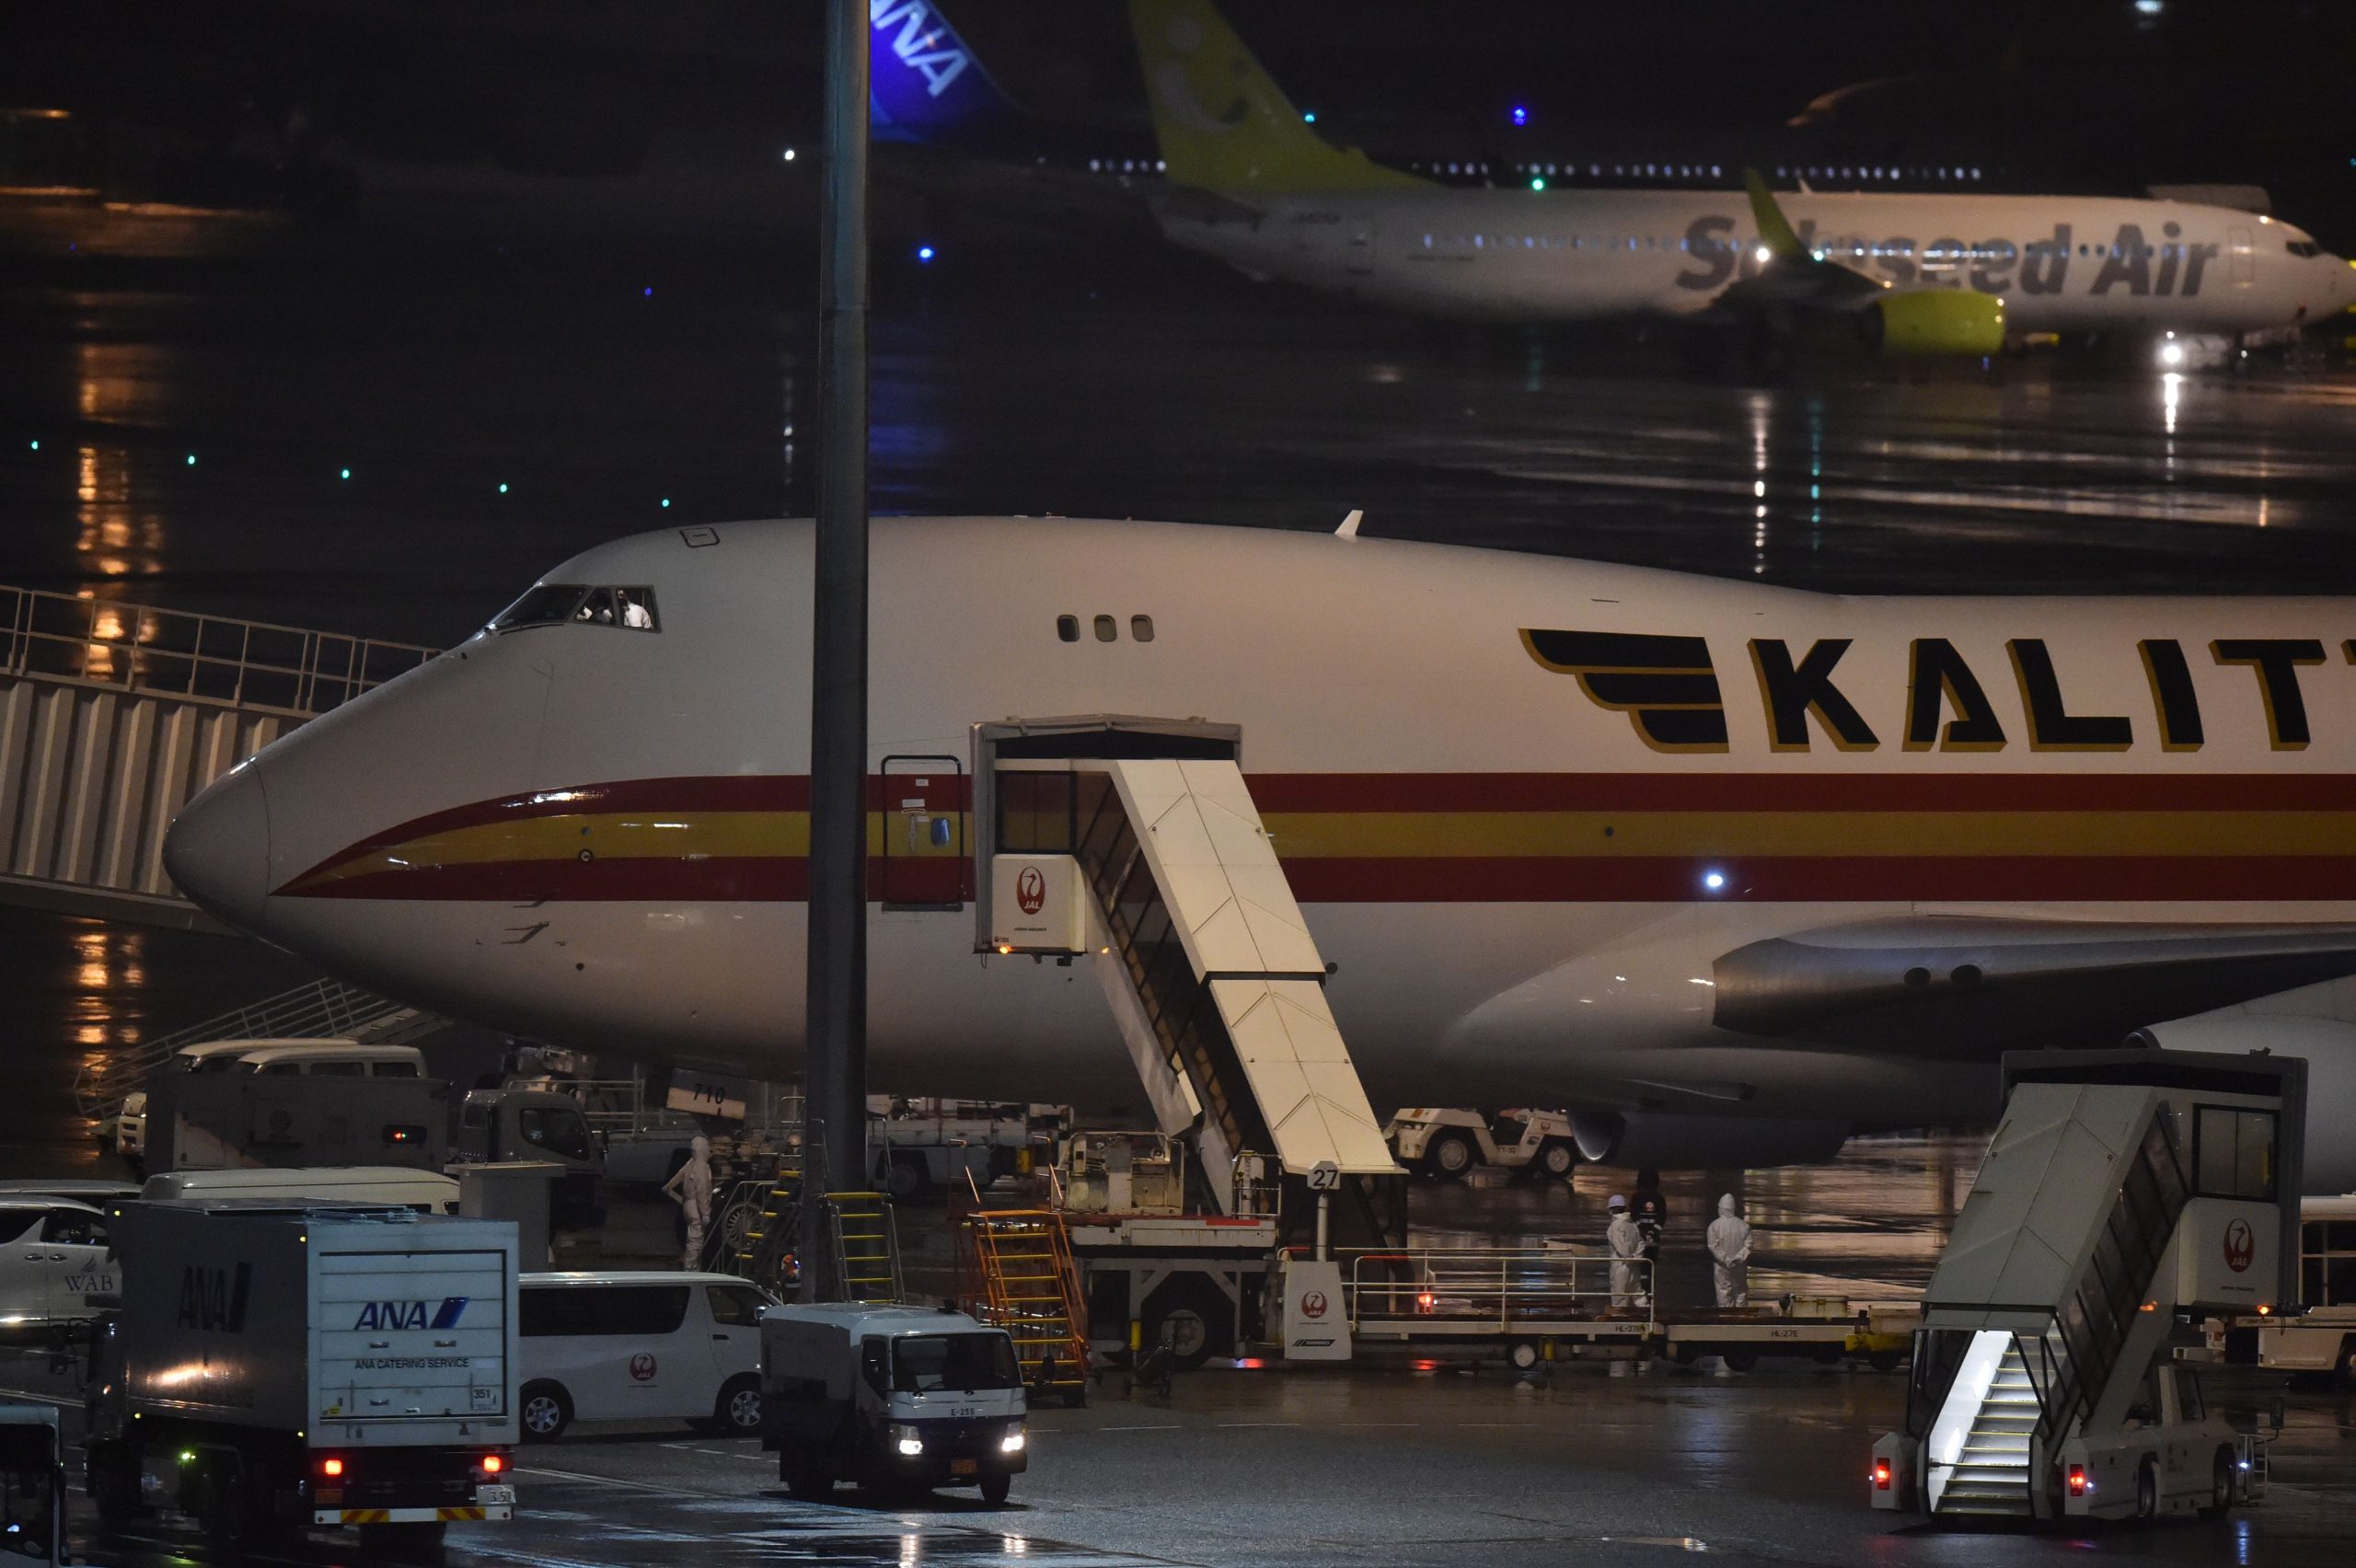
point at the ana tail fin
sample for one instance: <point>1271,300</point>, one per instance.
<point>924,84</point>
<point>1223,124</point>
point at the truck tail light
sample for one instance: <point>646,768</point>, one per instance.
<point>493,1463</point>
<point>1881,1475</point>
<point>2078,1487</point>
<point>332,1466</point>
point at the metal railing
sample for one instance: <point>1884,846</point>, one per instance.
<point>2077,1354</point>
<point>1500,1287</point>
<point>325,1010</point>
<point>255,664</point>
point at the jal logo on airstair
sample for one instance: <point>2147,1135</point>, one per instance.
<point>2241,1246</point>
<point>1031,889</point>
<point>384,1315</point>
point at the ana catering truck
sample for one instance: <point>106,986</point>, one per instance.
<point>270,1367</point>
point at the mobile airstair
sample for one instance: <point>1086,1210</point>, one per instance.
<point>1172,884</point>
<point>2123,1192</point>
<point>1020,1272</point>
<point>113,714</point>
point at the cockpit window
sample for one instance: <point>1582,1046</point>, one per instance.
<point>547,604</point>
<point>2302,247</point>
<point>554,603</point>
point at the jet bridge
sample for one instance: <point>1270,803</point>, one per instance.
<point>2124,1192</point>
<point>1159,869</point>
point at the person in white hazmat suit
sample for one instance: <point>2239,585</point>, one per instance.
<point>1627,1244</point>
<point>1729,1242</point>
<point>690,1187</point>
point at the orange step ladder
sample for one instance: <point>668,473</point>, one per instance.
<point>1022,1278</point>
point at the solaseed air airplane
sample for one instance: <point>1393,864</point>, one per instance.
<point>1916,273</point>
<point>1732,870</point>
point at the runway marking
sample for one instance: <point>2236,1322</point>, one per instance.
<point>1173,1426</point>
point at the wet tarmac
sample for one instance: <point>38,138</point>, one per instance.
<point>1593,1464</point>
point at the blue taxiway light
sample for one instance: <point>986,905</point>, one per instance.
<point>1309,117</point>
<point>666,503</point>
<point>924,252</point>
<point>1521,115</point>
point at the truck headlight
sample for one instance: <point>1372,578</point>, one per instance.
<point>1014,1441</point>
<point>906,1439</point>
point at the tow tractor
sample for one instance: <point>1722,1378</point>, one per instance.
<point>1449,1144</point>
<point>2125,1194</point>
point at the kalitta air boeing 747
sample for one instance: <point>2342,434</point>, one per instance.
<point>1255,185</point>
<point>1733,870</point>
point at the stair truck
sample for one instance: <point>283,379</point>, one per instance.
<point>268,1366</point>
<point>2125,1194</point>
<point>1449,1144</point>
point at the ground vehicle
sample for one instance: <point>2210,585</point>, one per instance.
<point>53,1255</point>
<point>123,1130</point>
<point>88,1190</point>
<point>427,1191</point>
<point>918,1151</point>
<point>1446,1144</point>
<point>2320,1334</point>
<point>224,1056</point>
<point>357,1369</point>
<point>33,1484</point>
<point>614,1346</point>
<point>309,1103</point>
<point>2171,1456</point>
<point>890,1396</point>
<point>541,1125</point>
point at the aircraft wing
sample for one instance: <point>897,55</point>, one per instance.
<point>1957,986</point>
<point>1795,281</point>
<point>1793,276</point>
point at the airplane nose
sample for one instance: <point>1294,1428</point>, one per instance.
<point>218,848</point>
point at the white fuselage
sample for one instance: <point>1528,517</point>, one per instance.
<point>595,835</point>
<point>2059,263</point>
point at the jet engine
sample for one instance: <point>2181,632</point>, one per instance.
<point>1704,1142</point>
<point>1919,324</point>
<point>2329,1046</point>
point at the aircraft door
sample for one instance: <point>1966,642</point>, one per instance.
<point>1360,253</point>
<point>2243,256</point>
<point>922,862</point>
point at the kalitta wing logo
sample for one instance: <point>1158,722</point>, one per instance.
<point>1665,685</point>
<point>2241,1246</point>
<point>216,1299</point>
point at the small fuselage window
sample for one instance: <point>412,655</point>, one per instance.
<point>554,603</point>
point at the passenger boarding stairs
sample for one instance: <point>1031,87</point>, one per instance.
<point>113,714</point>
<point>2081,1238</point>
<point>1217,984</point>
<point>1023,1278</point>
<point>1992,1475</point>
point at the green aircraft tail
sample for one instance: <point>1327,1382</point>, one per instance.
<point>1224,124</point>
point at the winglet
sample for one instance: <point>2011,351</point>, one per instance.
<point>1774,229</point>
<point>1349,528</point>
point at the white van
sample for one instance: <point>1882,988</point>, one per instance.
<point>640,1345</point>
<point>54,1254</point>
<point>428,1191</point>
<point>221,1055</point>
